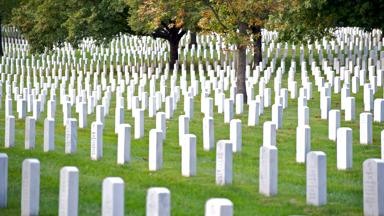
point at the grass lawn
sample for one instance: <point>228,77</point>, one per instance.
<point>188,195</point>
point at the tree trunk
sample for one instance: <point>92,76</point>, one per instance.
<point>241,65</point>
<point>193,40</point>
<point>257,53</point>
<point>1,39</point>
<point>174,45</point>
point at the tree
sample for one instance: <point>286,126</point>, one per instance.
<point>48,23</point>
<point>6,7</point>
<point>169,20</point>
<point>241,21</point>
<point>358,13</point>
<point>304,21</point>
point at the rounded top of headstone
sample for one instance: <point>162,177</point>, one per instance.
<point>113,180</point>
<point>372,160</point>
<point>31,160</point>
<point>124,125</point>
<point>158,190</point>
<point>190,136</point>
<point>316,153</point>
<point>219,201</point>
<point>344,129</point>
<point>235,121</point>
<point>70,169</point>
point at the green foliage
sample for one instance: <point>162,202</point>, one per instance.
<point>149,15</point>
<point>102,20</point>
<point>6,7</point>
<point>304,22</point>
<point>48,23</point>
<point>41,22</point>
<point>226,16</point>
<point>364,14</point>
<point>296,20</point>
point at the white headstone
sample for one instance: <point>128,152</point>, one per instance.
<point>268,169</point>
<point>23,109</point>
<point>350,109</point>
<point>188,107</point>
<point>378,110</point>
<point>158,202</point>
<point>161,123</point>
<point>3,180</point>
<point>30,187</point>
<point>277,115</point>
<point>96,140</point>
<point>303,116</point>
<point>325,107</point>
<point>239,103</point>
<point>253,113</point>
<point>228,110</point>
<point>208,134</point>
<point>139,123</point>
<point>71,136</point>
<point>30,132</point>
<point>124,144</point>
<point>49,134</point>
<point>382,144</point>
<point>113,197</point>
<point>373,187</point>
<point>188,156</point>
<point>218,207</point>
<point>333,124</point>
<point>366,128</point>
<point>69,191</point>
<point>223,162</point>
<point>236,134</point>
<point>269,134</point>
<point>183,127</point>
<point>303,142</point>
<point>9,135</point>
<point>155,150</point>
<point>344,148</point>
<point>316,178</point>
<point>83,115</point>
<point>169,107</point>
<point>119,117</point>
<point>100,113</point>
<point>51,111</point>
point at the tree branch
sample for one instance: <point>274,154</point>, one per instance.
<point>216,15</point>
<point>182,33</point>
<point>159,33</point>
<point>234,12</point>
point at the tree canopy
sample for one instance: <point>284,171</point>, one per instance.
<point>48,23</point>
<point>6,7</point>
<point>241,21</point>
<point>358,13</point>
<point>169,20</point>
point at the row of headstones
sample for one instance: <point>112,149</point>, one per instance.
<point>325,44</point>
<point>342,77</point>
<point>189,111</point>
<point>188,141</point>
<point>351,69</point>
<point>207,108</point>
<point>302,49</point>
<point>158,201</point>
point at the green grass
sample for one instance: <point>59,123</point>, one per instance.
<point>188,195</point>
